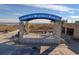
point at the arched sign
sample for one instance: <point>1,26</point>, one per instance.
<point>40,16</point>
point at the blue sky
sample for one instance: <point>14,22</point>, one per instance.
<point>11,12</point>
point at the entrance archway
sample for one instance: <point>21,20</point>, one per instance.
<point>55,18</point>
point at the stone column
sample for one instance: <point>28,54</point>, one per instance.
<point>27,24</point>
<point>65,31</point>
<point>21,30</point>
<point>57,29</point>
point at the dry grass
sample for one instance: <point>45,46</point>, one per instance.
<point>31,27</point>
<point>8,27</point>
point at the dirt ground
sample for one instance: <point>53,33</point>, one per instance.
<point>61,49</point>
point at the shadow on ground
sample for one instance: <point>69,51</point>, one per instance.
<point>16,49</point>
<point>50,49</point>
<point>73,45</point>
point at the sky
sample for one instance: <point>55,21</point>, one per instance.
<point>11,12</point>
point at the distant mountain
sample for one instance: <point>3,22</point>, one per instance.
<point>40,23</point>
<point>8,23</point>
<point>14,23</point>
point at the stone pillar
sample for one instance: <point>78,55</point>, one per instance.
<point>21,30</point>
<point>57,29</point>
<point>27,24</point>
<point>65,31</point>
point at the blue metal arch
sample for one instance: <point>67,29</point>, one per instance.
<point>40,16</point>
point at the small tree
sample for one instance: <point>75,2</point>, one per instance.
<point>63,21</point>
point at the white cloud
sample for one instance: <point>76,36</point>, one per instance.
<point>72,12</point>
<point>18,14</point>
<point>54,7</point>
<point>73,19</point>
<point>5,7</point>
<point>74,16</point>
<point>9,20</point>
